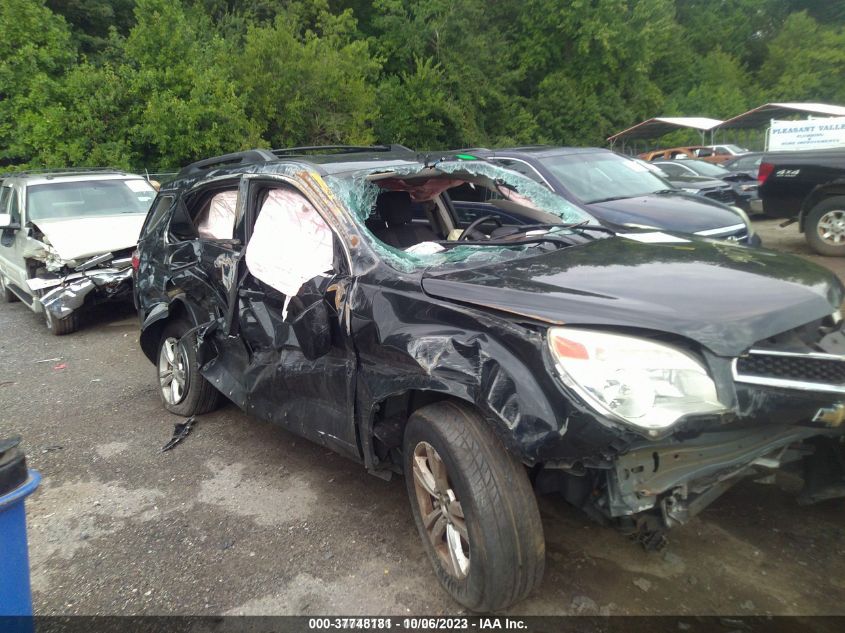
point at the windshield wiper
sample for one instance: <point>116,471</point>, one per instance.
<point>610,199</point>
<point>556,238</point>
<point>534,239</point>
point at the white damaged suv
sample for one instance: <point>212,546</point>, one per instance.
<point>66,239</point>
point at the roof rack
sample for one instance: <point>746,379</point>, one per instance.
<point>340,149</point>
<point>228,160</point>
<point>63,171</point>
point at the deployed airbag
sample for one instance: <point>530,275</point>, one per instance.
<point>290,244</point>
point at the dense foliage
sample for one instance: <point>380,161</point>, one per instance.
<point>156,83</point>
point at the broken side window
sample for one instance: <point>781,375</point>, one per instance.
<point>216,219</point>
<point>290,243</point>
<point>158,211</point>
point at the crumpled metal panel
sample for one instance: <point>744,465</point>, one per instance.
<point>70,296</point>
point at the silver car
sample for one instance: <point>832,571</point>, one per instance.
<point>66,239</point>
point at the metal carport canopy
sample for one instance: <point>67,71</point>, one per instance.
<point>761,116</point>
<point>658,126</point>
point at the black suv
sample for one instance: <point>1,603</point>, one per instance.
<point>638,375</point>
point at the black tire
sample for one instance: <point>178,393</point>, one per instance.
<point>833,211</point>
<point>6,295</point>
<point>198,395</point>
<point>60,327</point>
<point>500,516</point>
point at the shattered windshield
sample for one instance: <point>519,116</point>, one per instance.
<point>88,198</point>
<point>402,213</point>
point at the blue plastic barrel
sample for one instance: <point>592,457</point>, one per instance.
<point>16,484</point>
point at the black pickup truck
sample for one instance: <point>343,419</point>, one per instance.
<point>810,187</point>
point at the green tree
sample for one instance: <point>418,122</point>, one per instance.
<point>805,62</point>
<point>304,85</point>
<point>722,89</point>
<point>185,104</point>
<point>35,51</point>
<point>588,64</point>
<point>92,20</point>
<point>415,109</point>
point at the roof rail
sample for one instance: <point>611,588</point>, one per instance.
<point>340,149</point>
<point>264,155</point>
<point>235,158</point>
<point>63,171</point>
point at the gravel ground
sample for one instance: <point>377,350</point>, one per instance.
<point>244,517</point>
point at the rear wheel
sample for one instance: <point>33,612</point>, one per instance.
<point>61,326</point>
<point>474,508</point>
<point>825,227</point>
<point>183,390</point>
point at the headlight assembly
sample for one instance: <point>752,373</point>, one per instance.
<point>647,384</point>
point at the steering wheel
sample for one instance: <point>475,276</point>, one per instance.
<point>476,223</point>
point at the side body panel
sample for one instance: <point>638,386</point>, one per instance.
<point>794,177</point>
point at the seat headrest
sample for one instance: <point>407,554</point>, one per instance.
<point>394,207</point>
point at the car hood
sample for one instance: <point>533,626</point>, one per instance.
<point>680,212</point>
<point>723,296</point>
<point>75,238</point>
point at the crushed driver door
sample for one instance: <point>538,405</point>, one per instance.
<point>294,362</point>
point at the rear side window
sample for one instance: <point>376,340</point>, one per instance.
<point>208,214</point>
<point>673,169</point>
<point>216,219</point>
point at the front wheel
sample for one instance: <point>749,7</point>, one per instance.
<point>183,390</point>
<point>61,326</point>
<point>6,295</point>
<point>825,227</point>
<point>474,508</point>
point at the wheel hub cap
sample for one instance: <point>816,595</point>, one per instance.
<point>173,370</point>
<point>831,227</point>
<point>442,513</point>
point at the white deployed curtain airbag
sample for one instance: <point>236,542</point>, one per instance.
<point>290,243</point>
<point>217,221</point>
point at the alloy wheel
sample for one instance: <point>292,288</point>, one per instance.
<point>441,511</point>
<point>173,370</point>
<point>831,227</point>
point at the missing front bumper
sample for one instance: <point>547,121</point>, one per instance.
<point>71,293</point>
<point>680,479</point>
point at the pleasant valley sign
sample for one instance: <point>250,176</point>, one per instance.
<point>810,134</point>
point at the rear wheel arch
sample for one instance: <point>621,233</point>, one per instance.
<point>817,196</point>
<point>151,334</point>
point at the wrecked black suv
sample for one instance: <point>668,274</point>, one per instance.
<point>638,375</point>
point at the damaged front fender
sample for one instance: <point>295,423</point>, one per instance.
<point>70,293</point>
